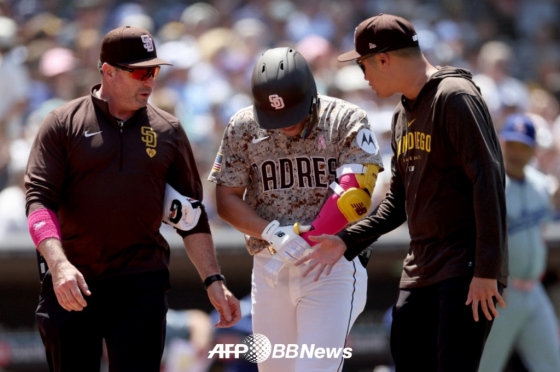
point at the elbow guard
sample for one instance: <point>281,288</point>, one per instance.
<point>366,175</point>
<point>180,211</point>
<point>354,203</point>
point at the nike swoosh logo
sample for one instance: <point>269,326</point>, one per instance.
<point>86,134</point>
<point>410,122</point>
<point>257,140</point>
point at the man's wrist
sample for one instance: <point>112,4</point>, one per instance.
<point>213,278</point>
<point>269,230</point>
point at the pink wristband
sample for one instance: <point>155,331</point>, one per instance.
<point>330,219</point>
<point>43,224</point>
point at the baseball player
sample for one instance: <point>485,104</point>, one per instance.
<point>294,165</point>
<point>528,323</point>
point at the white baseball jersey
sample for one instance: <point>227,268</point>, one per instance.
<point>288,178</point>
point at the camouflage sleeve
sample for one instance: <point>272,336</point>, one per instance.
<point>230,167</point>
<point>357,143</point>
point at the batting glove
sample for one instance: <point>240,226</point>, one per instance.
<point>286,247</point>
<point>285,241</point>
<point>272,269</point>
<point>180,211</point>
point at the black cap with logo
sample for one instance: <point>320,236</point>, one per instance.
<point>382,33</point>
<point>131,47</point>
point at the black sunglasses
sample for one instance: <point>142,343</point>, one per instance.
<point>363,58</point>
<point>142,74</point>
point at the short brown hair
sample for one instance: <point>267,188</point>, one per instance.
<point>411,52</point>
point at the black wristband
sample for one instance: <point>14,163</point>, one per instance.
<point>213,278</point>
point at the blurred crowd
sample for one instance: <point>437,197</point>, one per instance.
<point>49,51</point>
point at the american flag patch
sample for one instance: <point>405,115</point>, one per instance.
<point>218,163</point>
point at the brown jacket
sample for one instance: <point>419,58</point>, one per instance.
<point>448,181</point>
<point>105,180</point>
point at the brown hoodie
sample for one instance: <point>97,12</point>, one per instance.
<point>448,180</point>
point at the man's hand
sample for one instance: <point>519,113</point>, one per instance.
<point>225,303</point>
<point>68,282</point>
<point>327,253</point>
<point>287,245</point>
<point>68,285</point>
<point>285,240</point>
<point>482,290</point>
<point>200,249</point>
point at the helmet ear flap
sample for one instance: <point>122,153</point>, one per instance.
<point>314,112</point>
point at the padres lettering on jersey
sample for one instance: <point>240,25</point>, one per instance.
<point>300,172</point>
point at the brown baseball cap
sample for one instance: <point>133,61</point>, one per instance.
<point>382,33</point>
<point>131,47</point>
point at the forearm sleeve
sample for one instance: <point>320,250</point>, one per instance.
<point>330,219</point>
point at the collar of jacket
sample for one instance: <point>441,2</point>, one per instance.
<point>103,107</point>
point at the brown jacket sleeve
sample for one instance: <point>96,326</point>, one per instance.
<point>46,168</point>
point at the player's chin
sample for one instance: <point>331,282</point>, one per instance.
<point>139,103</point>
<point>291,131</point>
<point>383,94</point>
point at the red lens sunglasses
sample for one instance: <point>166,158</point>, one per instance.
<point>141,74</point>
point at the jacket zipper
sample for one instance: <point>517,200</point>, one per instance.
<point>121,144</point>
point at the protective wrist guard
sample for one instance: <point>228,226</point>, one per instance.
<point>180,211</point>
<point>285,240</point>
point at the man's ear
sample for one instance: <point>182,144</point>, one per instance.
<point>383,59</point>
<point>108,70</point>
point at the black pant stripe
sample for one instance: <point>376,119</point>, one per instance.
<point>351,310</point>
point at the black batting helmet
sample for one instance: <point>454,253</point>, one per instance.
<point>283,89</point>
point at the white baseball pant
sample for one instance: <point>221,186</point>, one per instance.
<point>303,312</point>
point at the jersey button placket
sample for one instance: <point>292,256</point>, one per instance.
<point>121,144</point>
